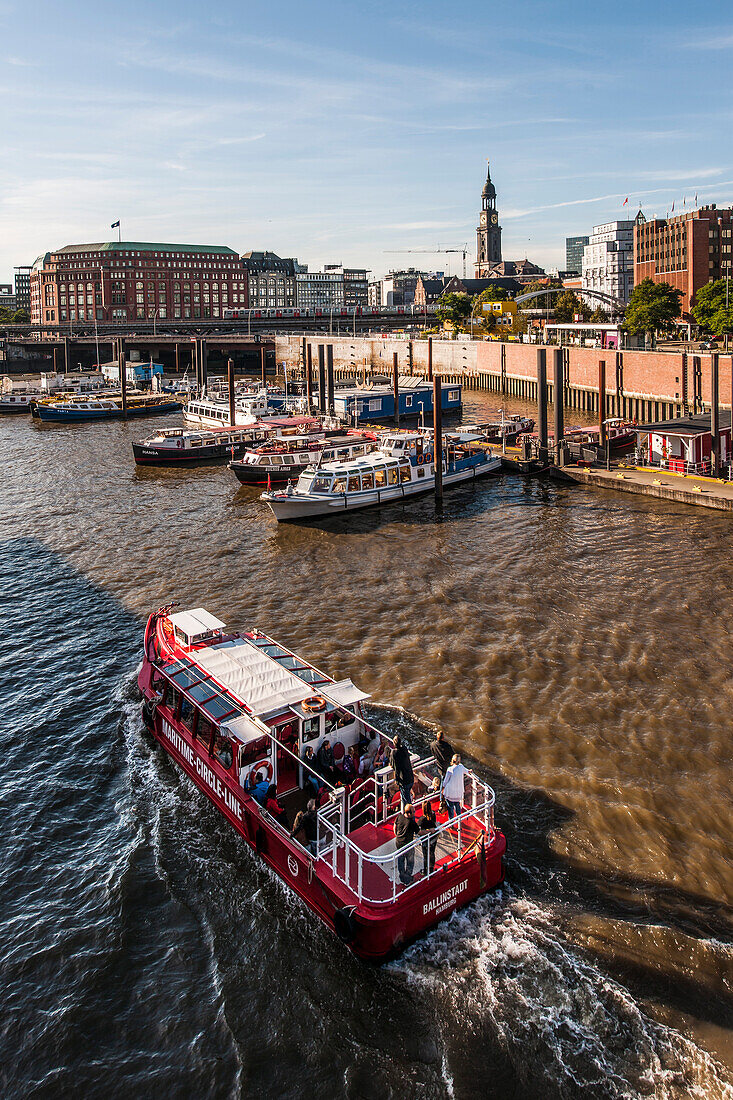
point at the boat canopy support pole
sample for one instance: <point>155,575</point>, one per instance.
<point>123,374</point>
<point>396,389</point>
<point>602,403</point>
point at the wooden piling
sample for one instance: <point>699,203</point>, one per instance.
<point>558,400</point>
<point>714,414</point>
<point>123,375</point>
<point>602,402</point>
<point>430,358</point>
<point>396,390</point>
<point>438,437</point>
<point>321,380</point>
<point>542,401</point>
<point>55,354</point>
<point>178,358</point>
<point>309,376</point>
<point>230,380</point>
<point>263,365</point>
<point>330,381</point>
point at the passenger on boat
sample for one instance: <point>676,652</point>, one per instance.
<point>306,823</point>
<point>371,751</point>
<point>259,788</point>
<point>401,763</point>
<point>326,763</point>
<point>273,806</point>
<point>405,831</point>
<point>350,763</point>
<point>310,781</point>
<point>453,785</point>
<point>429,825</point>
<point>442,751</point>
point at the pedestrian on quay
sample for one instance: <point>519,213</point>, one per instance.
<point>405,831</point>
<point>442,751</point>
<point>401,764</point>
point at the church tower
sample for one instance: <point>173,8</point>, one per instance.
<point>488,234</point>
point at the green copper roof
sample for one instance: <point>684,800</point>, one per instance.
<point>145,246</point>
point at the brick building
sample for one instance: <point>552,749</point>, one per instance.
<point>687,250</point>
<point>125,280</point>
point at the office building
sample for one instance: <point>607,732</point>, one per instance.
<point>608,261</point>
<point>574,254</point>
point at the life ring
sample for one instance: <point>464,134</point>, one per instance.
<point>314,703</point>
<point>344,924</point>
<point>428,457</point>
<point>257,767</point>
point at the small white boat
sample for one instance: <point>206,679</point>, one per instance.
<point>403,466</point>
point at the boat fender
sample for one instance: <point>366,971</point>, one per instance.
<point>344,924</point>
<point>148,713</point>
<point>314,703</point>
<point>258,766</point>
<point>179,443</point>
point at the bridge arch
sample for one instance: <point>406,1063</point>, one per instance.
<point>597,295</point>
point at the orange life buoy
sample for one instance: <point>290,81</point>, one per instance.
<point>258,767</point>
<point>314,703</point>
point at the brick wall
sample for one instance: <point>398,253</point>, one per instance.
<point>648,374</point>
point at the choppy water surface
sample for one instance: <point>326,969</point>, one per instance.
<point>577,645</point>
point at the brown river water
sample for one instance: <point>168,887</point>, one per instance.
<point>575,644</point>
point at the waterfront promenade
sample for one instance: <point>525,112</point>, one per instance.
<point>704,492</point>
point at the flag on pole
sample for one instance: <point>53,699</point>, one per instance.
<point>673,206</point>
<point>625,202</point>
<point>696,198</point>
<point>115,225</point>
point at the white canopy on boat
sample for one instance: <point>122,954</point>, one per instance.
<point>194,623</point>
<point>247,672</point>
<point>343,692</point>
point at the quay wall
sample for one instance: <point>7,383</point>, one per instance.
<point>642,384</point>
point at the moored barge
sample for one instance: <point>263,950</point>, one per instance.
<point>275,463</point>
<point>402,466</point>
<point>73,410</point>
<point>238,712</point>
<point>185,447</point>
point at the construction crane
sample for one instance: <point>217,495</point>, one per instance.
<point>431,252</point>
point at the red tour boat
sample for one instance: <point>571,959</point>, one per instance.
<point>239,712</point>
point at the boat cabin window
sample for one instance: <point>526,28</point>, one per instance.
<point>310,729</point>
<point>380,478</point>
<point>421,471</point>
<point>305,481</point>
<point>205,730</point>
<point>224,752</point>
<point>289,460</point>
<point>393,475</point>
<point>276,460</point>
<point>354,483</point>
<point>405,473</point>
<point>339,485</point>
<point>188,713</point>
<point>367,479</point>
<point>322,484</point>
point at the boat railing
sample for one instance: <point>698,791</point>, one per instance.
<point>374,876</point>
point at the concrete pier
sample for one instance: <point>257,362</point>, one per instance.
<point>702,492</point>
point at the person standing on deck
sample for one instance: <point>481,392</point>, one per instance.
<point>443,753</point>
<point>453,785</point>
<point>400,761</point>
<point>405,831</point>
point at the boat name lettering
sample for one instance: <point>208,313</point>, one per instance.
<point>444,900</point>
<point>210,778</point>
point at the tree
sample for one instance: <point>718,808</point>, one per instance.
<point>651,306</point>
<point>599,316</point>
<point>454,309</point>
<point>710,310</point>
<point>485,320</point>
<point>568,306</point>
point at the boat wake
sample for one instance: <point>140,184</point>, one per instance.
<point>503,974</point>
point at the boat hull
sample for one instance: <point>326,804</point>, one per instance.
<point>373,932</point>
<point>186,456</point>
<point>289,508</point>
<point>250,473</point>
<point>49,414</point>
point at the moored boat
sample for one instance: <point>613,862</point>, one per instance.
<point>19,402</point>
<point>102,408</point>
<point>402,466</point>
<point>621,435</point>
<point>240,713</point>
<point>184,447</point>
<point>277,462</point>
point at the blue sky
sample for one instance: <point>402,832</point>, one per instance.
<point>338,131</point>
